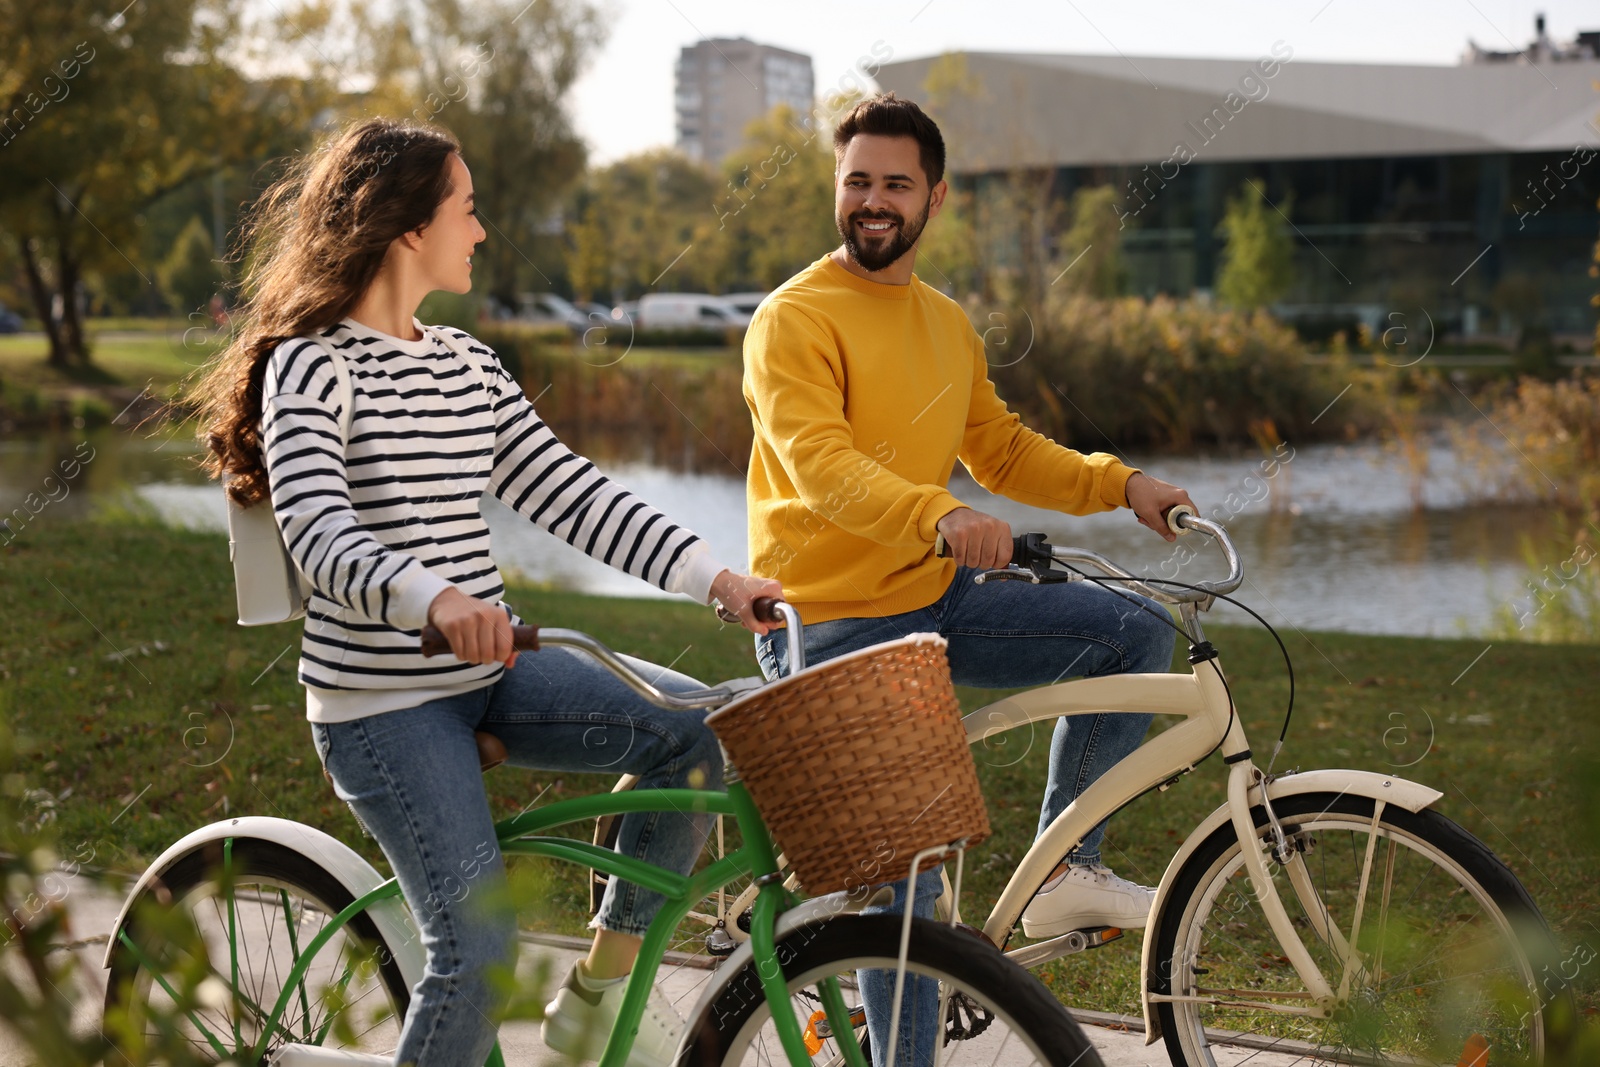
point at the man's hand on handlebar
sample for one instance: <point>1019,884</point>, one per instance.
<point>737,593</point>
<point>1151,499</point>
<point>975,539</point>
<point>478,632</point>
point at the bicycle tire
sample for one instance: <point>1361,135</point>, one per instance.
<point>734,1027</point>
<point>270,883</point>
<point>1440,988</point>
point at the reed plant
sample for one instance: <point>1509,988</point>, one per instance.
<point>1168,374</point>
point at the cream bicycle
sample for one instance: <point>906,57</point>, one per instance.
<point>1332,915</point>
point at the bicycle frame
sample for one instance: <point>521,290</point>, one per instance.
<point>521,835</point>
<point>1200,698</point>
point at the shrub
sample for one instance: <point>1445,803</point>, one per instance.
<point>1122,373</point>
<point>1561,603</point>
<point>1553,429</point>
<point>610,407</point>
<point>1164,373</point>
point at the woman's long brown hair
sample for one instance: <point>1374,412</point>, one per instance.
<point>313,244</point>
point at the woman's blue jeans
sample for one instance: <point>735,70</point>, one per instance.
<point>412,777</point>
<point>1006,635</point>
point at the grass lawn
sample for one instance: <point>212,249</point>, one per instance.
<point>685,357</point>
<point>147,712</point>
<point>157,357</point>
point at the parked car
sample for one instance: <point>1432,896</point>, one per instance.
<point>550,309</point>
<point>686,311</point>
<point>744,304</point>
<point>10,321</point>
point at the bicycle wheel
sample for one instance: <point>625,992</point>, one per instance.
<point>993,1007</point>
<point>1447,945</point>
<point>352,996</point>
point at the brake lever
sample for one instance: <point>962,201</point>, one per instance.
<point>1007,574</point>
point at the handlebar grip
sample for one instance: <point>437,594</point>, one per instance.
<point>1019,548</point>
<point>523,639</point>
<point>765,609</point>
<point>1175,516</point>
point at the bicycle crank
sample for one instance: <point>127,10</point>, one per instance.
<point>1073,941</point>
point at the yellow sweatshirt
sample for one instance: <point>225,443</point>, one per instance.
<point>863,397</point>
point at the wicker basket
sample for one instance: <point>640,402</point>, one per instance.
<point>858,763</point>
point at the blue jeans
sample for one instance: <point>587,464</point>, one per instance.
<point>412,777</point>
<point>1005,635</point>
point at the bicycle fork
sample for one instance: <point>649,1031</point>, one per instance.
<point>1241,777</point>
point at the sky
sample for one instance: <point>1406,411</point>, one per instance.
<point>623,102</point>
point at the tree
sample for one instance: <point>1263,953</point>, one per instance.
<point>641,223</point>
<point>589,263</point>
<point>1090,253</point>
<point>189,276</point>
<point>949,256</point>
<point>774,211</point>
<point>497,74</point>
<point>115,112</point>
<point>102,115</point>
<point>1258,259</point>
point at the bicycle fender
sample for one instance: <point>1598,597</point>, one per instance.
<point>807,912</point>
<point>1412,796</point>
<point>392,917</point>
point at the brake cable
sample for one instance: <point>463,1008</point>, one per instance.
<point>1104,582</point>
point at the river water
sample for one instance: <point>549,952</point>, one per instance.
<point>1329,535</point>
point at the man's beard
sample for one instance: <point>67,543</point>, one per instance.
<point>882,251</point>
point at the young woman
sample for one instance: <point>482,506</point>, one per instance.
<point>342,251</point>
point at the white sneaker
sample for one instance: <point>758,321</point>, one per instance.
<point>579,1021</point>
<point>1085,897</point>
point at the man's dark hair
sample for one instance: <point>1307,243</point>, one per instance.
<point>889,116</point>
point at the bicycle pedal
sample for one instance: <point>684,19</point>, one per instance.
<point>819,1028</point>
<point>1095,936</point>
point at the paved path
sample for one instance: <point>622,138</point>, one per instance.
<point>94,909</point>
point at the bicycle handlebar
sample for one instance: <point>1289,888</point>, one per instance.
<point>526,638</point>
<point>1031,555</point>
<point>1200,591</point>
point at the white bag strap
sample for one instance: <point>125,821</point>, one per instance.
<point>455,345</point>
<point>346,392</point>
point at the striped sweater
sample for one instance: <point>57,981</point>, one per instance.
<point>386,526</point>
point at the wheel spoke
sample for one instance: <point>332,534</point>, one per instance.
<point>258,926</point>
<point>294,949</point>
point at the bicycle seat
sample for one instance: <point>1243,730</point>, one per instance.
<point>491,751</point>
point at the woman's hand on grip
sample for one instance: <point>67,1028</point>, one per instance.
<point>478,632</point>
<point>737,593</point>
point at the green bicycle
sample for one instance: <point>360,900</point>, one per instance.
<point>306,949</point>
